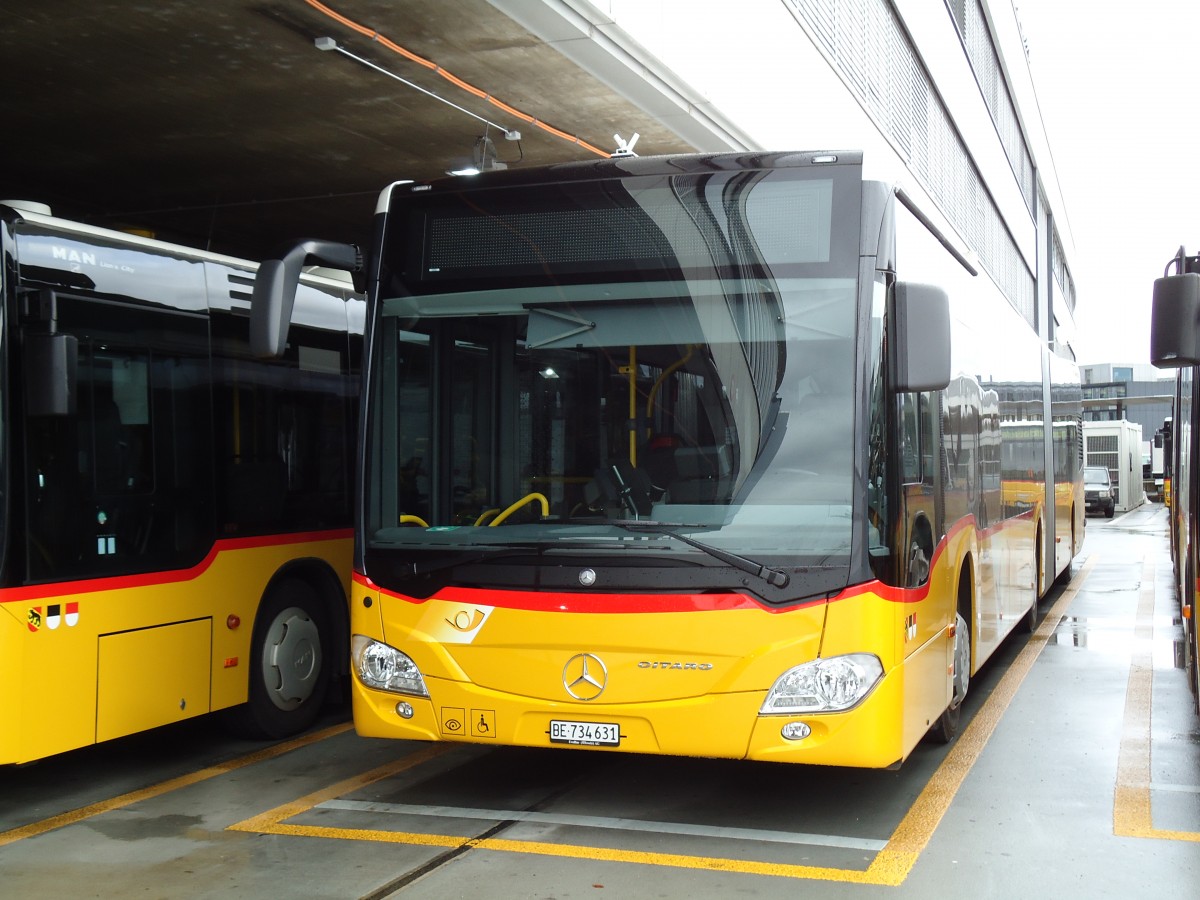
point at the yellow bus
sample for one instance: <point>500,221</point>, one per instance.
<point>696,455</point>
<point>175,532</point>
<point>1024,478</point>
<point>1175,344</point>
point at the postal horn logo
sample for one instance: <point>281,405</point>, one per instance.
<point>466,621</point>
<point>585,676</point>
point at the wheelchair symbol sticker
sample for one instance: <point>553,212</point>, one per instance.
<point>483,723</point>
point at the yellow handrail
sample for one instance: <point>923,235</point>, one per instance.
<point>633,435</point>
<point>524,501</point>
<point>413,520</point>
<point>666,373</point>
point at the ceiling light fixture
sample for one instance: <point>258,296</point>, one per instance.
<point>483,157</point>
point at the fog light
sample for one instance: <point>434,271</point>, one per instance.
<point>795,731</point>
<point>404,710</point>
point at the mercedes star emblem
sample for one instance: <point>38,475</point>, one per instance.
<point>585,676</point>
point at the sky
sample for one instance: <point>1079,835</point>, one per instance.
<point>1118,84</point>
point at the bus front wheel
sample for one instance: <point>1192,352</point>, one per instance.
<point>289,663</point>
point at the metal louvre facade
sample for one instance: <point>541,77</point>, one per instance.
<point>977,40</point>
<point>866,42</point>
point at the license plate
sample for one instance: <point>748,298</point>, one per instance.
<point>588,734</point>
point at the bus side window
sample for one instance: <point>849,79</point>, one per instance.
<point>910,440</point>
<point>918,443</point>
<point>54,504</point>
<point>281,431</point>
<point>919,462</point>
<point>121,418</point>
<point>928,418</point>
<point>122,485</point>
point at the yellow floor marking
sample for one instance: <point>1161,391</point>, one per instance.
<point>155,790</point>
<point>273,818</point>
<point>889,867</point>
<point>1131,798</point>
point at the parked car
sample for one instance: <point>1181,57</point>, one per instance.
<point>1098,490</point>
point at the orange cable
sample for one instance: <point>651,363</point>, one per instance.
<point>513,111</point>
<point>449,76</point>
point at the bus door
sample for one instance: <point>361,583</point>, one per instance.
<point>455,419</point>
<point>920,517</point>
<point>120,483</point>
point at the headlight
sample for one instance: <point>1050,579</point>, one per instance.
<point>385,668</point>
<point>824,685</point>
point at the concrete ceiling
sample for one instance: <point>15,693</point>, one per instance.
<point>220,125</point>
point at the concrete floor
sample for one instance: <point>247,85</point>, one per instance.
<point>1079,776</point>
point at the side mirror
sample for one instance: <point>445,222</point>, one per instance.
<point>50,362</point>
<point>920,350</point>
<point>275,287</point>
<point>1174,340</point>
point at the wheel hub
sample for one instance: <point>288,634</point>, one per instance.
<point>291,658</point>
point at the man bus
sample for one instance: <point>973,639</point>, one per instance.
<point>175,517</point>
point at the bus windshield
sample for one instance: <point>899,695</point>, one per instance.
<point>555,380</point>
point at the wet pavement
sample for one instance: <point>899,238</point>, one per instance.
<point>1078,776</point>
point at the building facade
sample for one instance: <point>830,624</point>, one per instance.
<point>1138,393</point>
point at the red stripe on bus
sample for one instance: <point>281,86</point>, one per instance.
<point>172,576</point>
<point>556,601</point>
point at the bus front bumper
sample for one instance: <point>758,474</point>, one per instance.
<point>721,726</point>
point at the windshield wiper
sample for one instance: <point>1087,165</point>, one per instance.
<point>428,566</point>
<point>774,577</point>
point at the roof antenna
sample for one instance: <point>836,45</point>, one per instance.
<point>623,148</point>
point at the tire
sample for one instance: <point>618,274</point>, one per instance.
<point>289,663</point>
<point>946,727</point>
<point>1193,663</point>
<point>1108,513</point>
